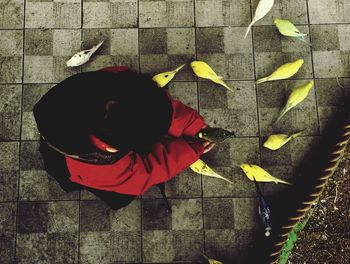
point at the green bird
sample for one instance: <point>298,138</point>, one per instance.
<point>296,97</point>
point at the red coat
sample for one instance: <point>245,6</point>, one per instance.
<point>134,174</point>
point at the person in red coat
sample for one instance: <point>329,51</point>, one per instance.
<point>115,133</point>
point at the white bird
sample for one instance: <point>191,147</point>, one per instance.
<point>83,56</point>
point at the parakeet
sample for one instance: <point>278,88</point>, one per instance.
<point>211,261</point>
<point>202,168</point>
<point>286,28</point>
<point>203,70</point>
<point>277,141</point>
<point>164,78</point>
<point>264,6</point>
<point>264,211</point>
<point>283,72</point>
<point>215,134</point>
<point>259,174</point>
<point>297,96</point>
<point>83,56</point>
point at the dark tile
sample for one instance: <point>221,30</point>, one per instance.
<point>218,213</point>
<point>126,246</point>
<point>153,41</point>
<point>246,215</point>
<point>10,111</point>
<point>186,92</point>
<point>30,156</point>
<point>32,217</point>
<point>220,244</point>
<point>189,244</point>
<point>95,216</point>
<point>7,248</point>
<point>13,14</point>
<point>9,167</point>
<point>155,215</point>
<point>62,248</point>
<point>186,214</point>
<point>267,39</point>
<point>325,37</point>
<point>38,42</point>
<point>158,246</point>
<point>212,96</point>
<point>92,37</point>
<point>210,40</point>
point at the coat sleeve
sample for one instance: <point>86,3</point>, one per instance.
<point>185,120</point>
<point>134,174</point>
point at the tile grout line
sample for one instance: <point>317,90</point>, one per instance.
<point>139,69</point>
<point>79,196</point>
<point>256,90</point>
<point>313,70</point>
<point>198,107</point>
<point>20,137</point>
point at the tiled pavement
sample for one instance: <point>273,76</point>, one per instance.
<point>39,223</point>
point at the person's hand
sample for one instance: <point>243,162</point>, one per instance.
<point>208,146</point>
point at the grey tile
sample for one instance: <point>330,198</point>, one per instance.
<point>12,16</point>
<point>166,13</point>
<point>10,111</point>
<point>295,11</point>
<point>32,217</point>
<point>222,13</point>
<point>113,14</point>
<point>32,248</point>
<point>186,92</point>
<point>246,215</point>
<point>127,218</point>
<point>9,167</point>
<point>95,216</point>
<point>64,14</point>
<point>66,42</point>
<point>11,56</point>
<point>155,216</point>
<point>272,96</point>
<point>32,93</point>
<point>218,213</point>
<point>189,244</point>
<point>30,156</point>
<point>235,110</point>
<point>36,185</point>
<point>328,11</point>
<point>158,246</point>
<point>187,214</point>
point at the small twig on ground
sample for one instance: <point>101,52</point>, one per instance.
<point>336,196</point>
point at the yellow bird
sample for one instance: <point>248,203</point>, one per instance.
<point>201,167</point>
<point>211,261</point>
<point>260,175</point>
<point>287,28</point>
<point>203,70</point>
<point>296,96</point>
<point>164,78</point>
<point>277,141</point>
<point>283,72</point>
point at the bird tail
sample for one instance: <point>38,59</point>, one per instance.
<point>302,39</point>
<point>265,79</point>
<point>282,113</point>
<point>248,29</point>
<point>297,134</point>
